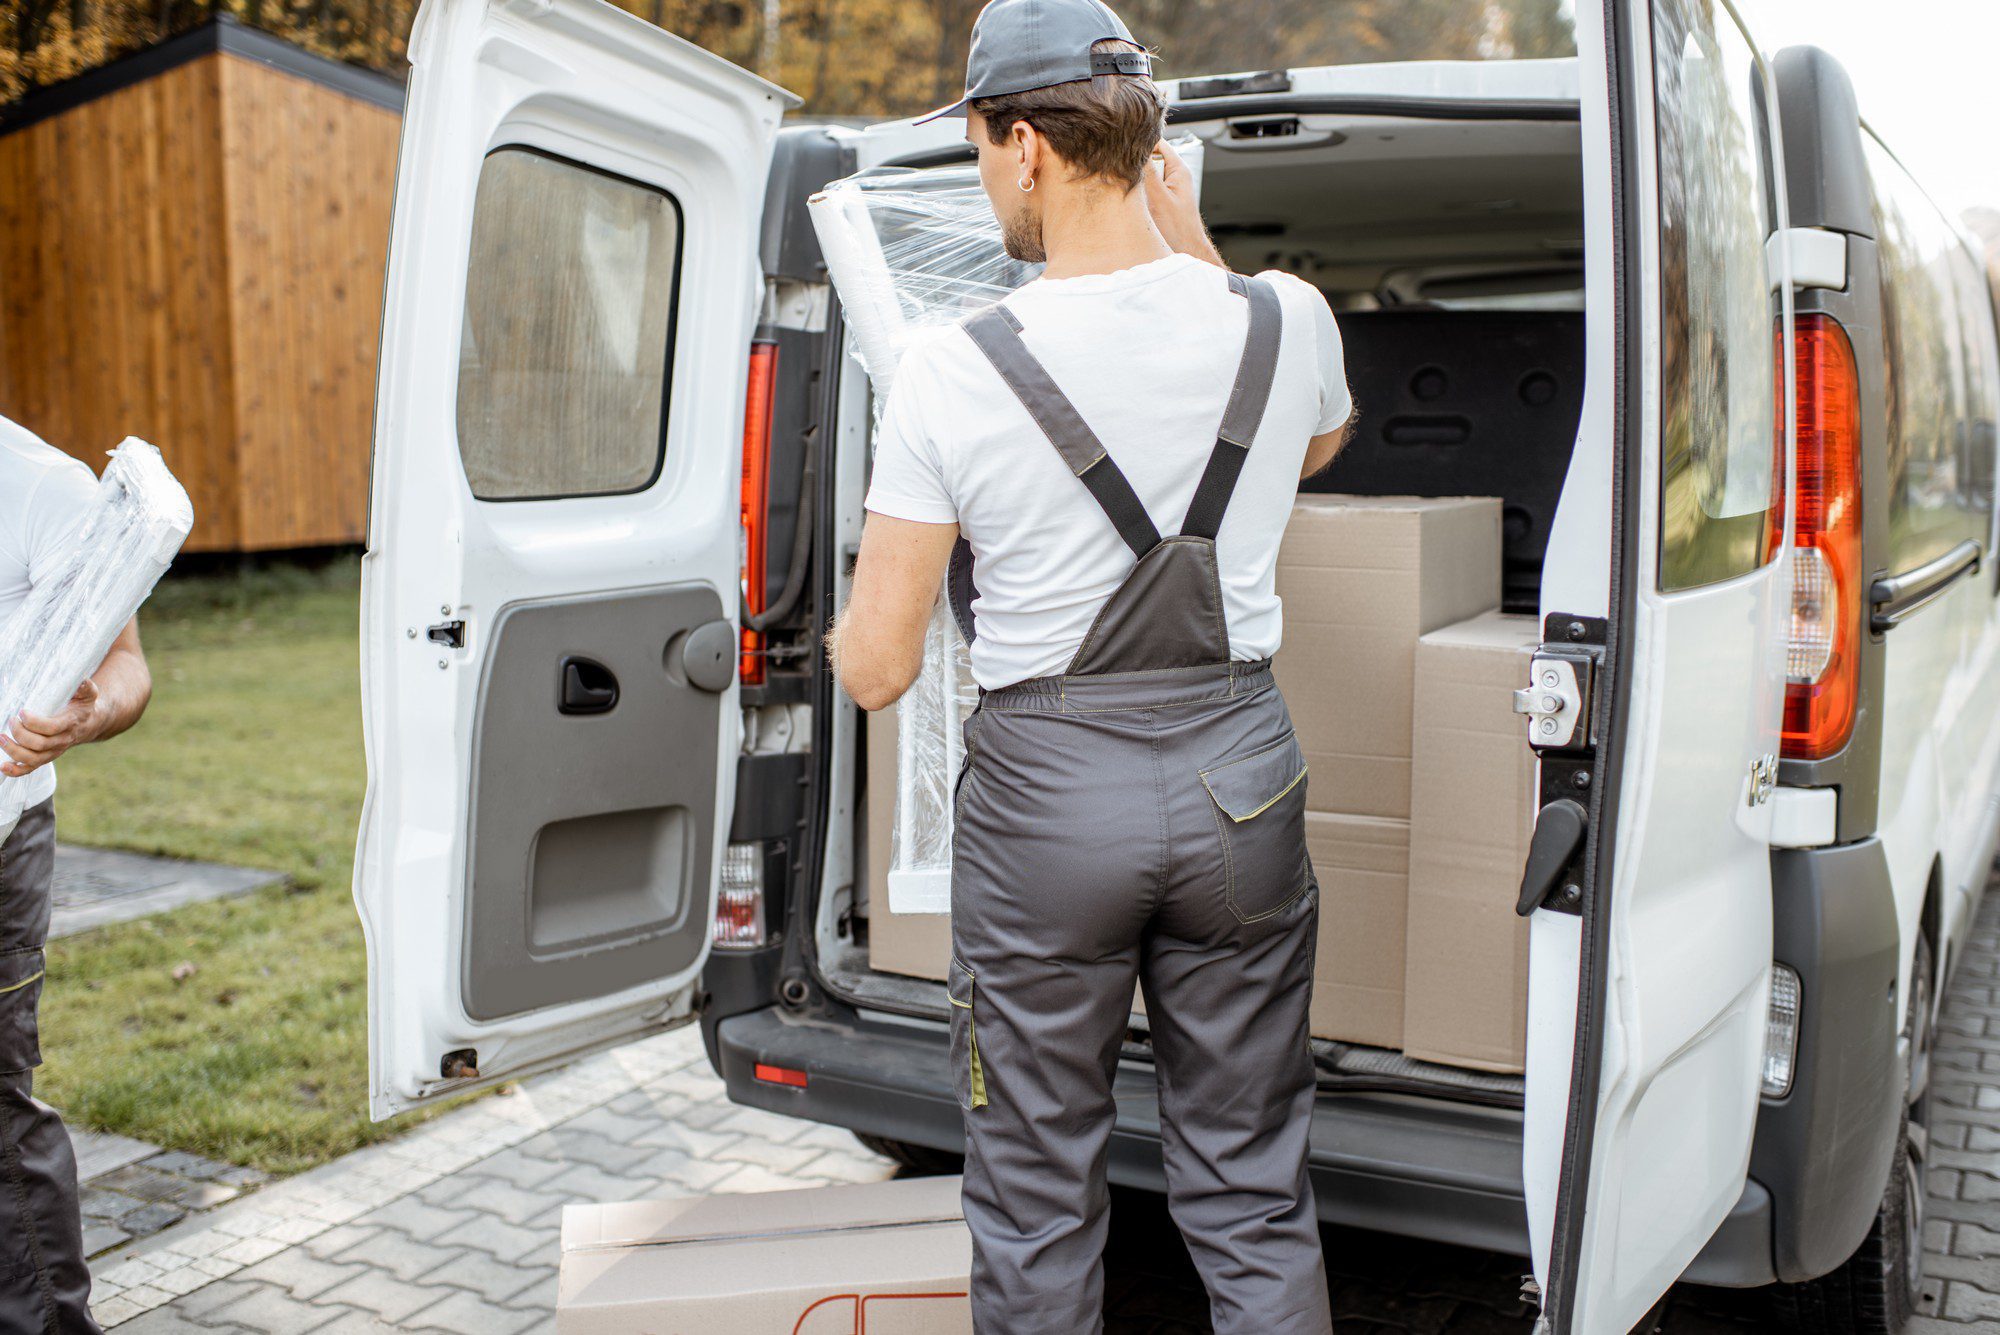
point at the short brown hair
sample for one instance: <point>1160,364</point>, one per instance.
<point>1103,126</point>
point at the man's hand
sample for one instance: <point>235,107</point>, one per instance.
<point>1170,196</point>
<point>33,740</point>
<point>107,703</point>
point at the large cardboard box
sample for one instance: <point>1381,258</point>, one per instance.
<point>1472,812</point>
<point>1363,866</point>
<point>917,945</point>
<point>891,1258</point>
<point>1362,577</point>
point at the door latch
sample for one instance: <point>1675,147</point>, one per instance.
<point>1763,780</point>
<point>1557,699</point>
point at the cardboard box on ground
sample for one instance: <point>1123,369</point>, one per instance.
<point>1407,748</point>
<point>891,1258</point>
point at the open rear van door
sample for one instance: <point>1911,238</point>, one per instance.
<point>1651,951</point>
<point>551,591</point>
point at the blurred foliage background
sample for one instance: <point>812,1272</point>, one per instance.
<point>845,57</point>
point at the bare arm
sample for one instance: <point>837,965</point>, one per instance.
<point>106,704</point>
<point>877,645</point>
<point>1321,450</point>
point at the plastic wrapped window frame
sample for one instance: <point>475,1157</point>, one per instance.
<point>909,250</point>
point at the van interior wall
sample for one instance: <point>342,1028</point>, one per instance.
<point>1452,253</point>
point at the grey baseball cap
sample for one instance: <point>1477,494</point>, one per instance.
<point>1022,44</point>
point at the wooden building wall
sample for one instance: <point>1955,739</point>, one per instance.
<point>196,258</point>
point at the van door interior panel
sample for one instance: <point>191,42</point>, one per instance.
<point>589,826</point>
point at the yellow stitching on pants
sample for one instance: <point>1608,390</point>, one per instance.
<point>16,987</point>
<point>1268,805</point>
<point>978,1072</point>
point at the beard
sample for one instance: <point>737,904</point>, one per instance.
<point>1021,236</point>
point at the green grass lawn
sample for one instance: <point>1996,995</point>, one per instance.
<point>250,754</point>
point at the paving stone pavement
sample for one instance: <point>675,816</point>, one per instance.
<point>455,1226</point>
<point>133,1190</point>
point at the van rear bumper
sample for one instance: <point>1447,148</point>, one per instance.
<point>1420,1167</point>
<point>1825,1148</point>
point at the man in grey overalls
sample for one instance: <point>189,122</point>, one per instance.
<point>1132,803</point>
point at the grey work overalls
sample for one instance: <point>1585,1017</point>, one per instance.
<point>1140,816</point>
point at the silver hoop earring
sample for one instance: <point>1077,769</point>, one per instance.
<point>1026,183</point>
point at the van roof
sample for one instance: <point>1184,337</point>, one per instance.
<point>1528,82</point>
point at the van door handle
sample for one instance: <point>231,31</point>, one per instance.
<point>1897,598</point>
<point>708,656</point>
<point>585,686</point>
<point>1559,831</point>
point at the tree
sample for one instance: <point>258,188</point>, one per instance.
<point>866,58</point>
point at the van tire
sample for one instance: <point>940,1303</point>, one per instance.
<point>1876,1290</point>
<point>915,1160</point>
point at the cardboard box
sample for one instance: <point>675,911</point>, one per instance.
<point>1363,866</point>
<point>917,945</point>
<point>891,1258</point>
<point>1362,577</point>
<point>1472,812</point>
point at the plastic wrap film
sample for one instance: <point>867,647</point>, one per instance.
<point>911,249</point>
<point>121,547</point>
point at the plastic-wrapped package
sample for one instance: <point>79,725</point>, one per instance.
<point>910,249</point>
<point>122,546</point>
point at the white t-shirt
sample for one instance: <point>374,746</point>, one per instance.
<point>43,496</point>
<point>1148,356</point>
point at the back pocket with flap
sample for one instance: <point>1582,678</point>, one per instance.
<point>1260,817</point>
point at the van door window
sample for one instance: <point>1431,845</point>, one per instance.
<point>1937,342</point>
<point>1981,435</point>
<point>1720,511</point>
<point>563,362</point>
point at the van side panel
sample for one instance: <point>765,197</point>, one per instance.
<point>1824,1149</point>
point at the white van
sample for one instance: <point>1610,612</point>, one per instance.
<point>596,580</point>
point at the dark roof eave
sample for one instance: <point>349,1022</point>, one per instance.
<point>220,34</point>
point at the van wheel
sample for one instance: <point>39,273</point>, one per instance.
<point>1876,1290</point>
<point>917,1160</point>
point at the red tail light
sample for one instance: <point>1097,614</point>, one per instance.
<point>1823,667</point>
<point>756,499</point>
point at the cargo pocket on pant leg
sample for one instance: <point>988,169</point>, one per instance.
<point>21,974</point>
<point>1260,816</point>
<point>968,1080</point>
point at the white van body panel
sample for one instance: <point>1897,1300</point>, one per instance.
<point>1940,751</point>
<point>594,85</point>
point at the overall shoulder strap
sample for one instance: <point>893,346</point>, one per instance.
<point>997,333</point>
<point>1247,398</point>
